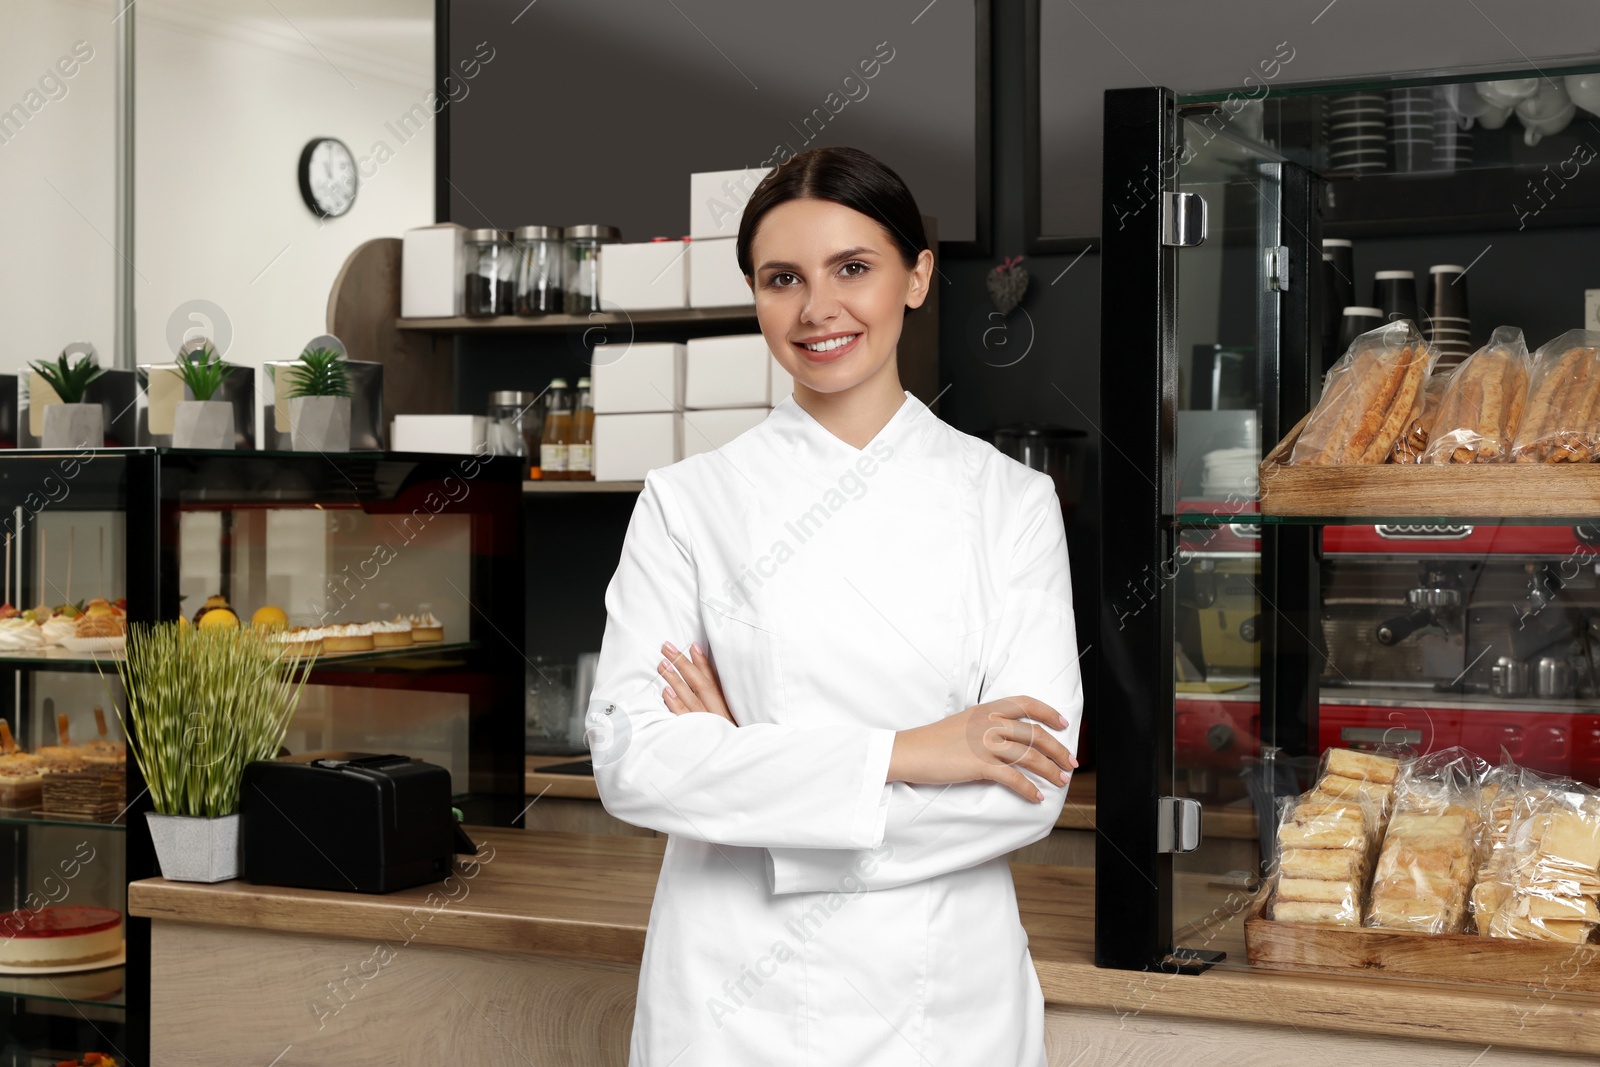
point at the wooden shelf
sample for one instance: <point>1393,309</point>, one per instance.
<point>582,487</point>
<point>658,319</point>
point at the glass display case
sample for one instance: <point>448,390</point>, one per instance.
<point>1241,641</point>
<point>328,541</point>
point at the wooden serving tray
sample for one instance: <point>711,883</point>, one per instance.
<point>1544,966</point>
<point>1427,490</point>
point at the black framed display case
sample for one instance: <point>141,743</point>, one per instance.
<point>330,540</point>
<point>1238,646</point>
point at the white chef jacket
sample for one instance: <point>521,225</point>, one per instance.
<point>808,913</point>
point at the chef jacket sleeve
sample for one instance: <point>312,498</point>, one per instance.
<point>697,774</point>
<point>934,830</point>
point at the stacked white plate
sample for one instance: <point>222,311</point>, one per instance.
<point>1356,132</point>
<point>1412,114</point>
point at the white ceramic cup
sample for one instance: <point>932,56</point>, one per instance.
<point>1584,89</point>
<point>1545,112</point>
<point>1508,93</point>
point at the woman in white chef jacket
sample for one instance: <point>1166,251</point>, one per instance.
<point>840,673</point>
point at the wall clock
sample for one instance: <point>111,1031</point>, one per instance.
<point>327,177</point>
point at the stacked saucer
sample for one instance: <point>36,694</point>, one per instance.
<point>1449,327</point>
<point>1412,114</point>
<point>1356,135</point>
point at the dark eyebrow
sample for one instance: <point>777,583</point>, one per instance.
<point>837,257</point>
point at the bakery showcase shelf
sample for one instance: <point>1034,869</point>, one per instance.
<point>582,487</point>
<point>427,656</point>
<point>104,987</point>
<point>11,817</point>
<point>656,319</point>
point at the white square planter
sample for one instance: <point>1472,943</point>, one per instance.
<point>192,849</point>
<point>203,424</point>
<point>74,426</point>
<point>320,423</point>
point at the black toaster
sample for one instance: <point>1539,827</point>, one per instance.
<point>347,821</point>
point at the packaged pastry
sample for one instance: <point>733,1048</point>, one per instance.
<point>1547,884</point>
<point>1372,396</point>
<point>1410,446</point>
<point>1561,421</point>
<point>1432,846</point>
<point>1327,838</point>
<point>1478,416</point>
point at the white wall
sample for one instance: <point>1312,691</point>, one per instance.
<point>228,93</point>
<point>56,192</point>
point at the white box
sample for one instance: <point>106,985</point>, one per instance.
<point>704,431</point>
<point>726,372</point>
<point>449,434</point>
<point>782,384</point>
<point>640,277</point>
<point>431,281</point>
<point>626,446</point>
<point>636,377</point>
<point>714,277</point>
<point>1591,309</point>
<point>717,199</point>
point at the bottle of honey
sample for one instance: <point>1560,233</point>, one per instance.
<point>557,433</point>
<point>580,447</point>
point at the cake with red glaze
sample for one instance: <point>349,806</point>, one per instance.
<point>59,936</point>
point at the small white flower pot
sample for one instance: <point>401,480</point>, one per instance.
<point>74,426</point>
<point>203,424</point>
<point>320,423</point>
<point>192,849</point>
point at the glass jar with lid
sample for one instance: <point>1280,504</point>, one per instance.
<point>539,268</point>
<point>581,279</point>
<point>491,273</point>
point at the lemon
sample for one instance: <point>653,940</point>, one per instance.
<point>218,618</point>
<point>183,623</point>
<point>269,618</point>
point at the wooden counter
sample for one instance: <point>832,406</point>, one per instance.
<point>1077,814</point>
<point>538,946</point>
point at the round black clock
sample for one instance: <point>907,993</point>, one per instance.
<point>327,177</point>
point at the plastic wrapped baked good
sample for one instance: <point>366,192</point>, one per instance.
<point>1478,416</point>
<point>1372,396</point>
<point>1327,838</point>
<point>1546,882</point>
<point>1410,445</point>
<point>1561,422</point>
<point>1432,847</point>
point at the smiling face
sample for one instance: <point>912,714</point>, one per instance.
<point>831,292</point>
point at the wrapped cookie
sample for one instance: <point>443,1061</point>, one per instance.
<point>1410,446</point>
<point>1432,846</point>
<point>1372,396</point>
<point>1561,421</point>
<point>1548,882</point>
<point>1481,409</point>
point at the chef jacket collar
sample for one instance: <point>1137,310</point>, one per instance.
<point>817,448</point>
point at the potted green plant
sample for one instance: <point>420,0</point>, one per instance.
<point>319,402</point>
<point>202,422</point>
<point>72,423</point>
<point>203,702</point>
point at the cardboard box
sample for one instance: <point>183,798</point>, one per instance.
<point>642,277</point>
<point>782,384</point>
<point>431,265</point>
<point>704,431</point>
<point>637,377</point>
<point>448,434</point>
<point>714,277</point>
<point>726,372</point>
<point>717,199</point>
<point>626,446</point>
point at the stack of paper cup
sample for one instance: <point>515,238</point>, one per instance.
<point>1448,325</point>
<point>1356,132</point>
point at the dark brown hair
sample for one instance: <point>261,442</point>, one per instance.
<point>845,176</point>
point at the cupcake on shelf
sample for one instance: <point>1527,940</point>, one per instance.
<point>17,634</point>
<point>425,628</point>
<point>348,637</point>
<point>396,633</point>
<point>216,603</point>
<point>53,626</point>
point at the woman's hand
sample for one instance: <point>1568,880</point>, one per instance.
<point>692,682</point>
<point>987,742</point>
